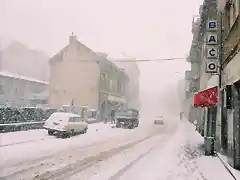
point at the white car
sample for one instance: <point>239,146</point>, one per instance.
<point>65,124</point>
<point>159,120</point>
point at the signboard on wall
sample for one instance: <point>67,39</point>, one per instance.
<point>212,50</point>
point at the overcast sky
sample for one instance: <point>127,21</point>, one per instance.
<point>140,28</point>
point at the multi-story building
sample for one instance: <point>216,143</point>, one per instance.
<point>202,84</point>
<point>82,77</point>
<point>219,117</point>
<point>18,58</point>
<point>228,129</point>
<point>18,90</point>
<point>131,68</point>
<point>192,77</point>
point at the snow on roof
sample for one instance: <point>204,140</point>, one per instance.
<point>63,114</point>
<point>15,76</point>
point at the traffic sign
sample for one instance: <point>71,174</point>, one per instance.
<point>212,39</point>
<point>212,52</point>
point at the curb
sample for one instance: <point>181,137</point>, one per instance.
<point>226,166</point>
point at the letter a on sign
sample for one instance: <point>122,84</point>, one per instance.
<point>212,39</point>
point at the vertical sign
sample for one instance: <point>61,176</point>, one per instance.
<point>212,50</point>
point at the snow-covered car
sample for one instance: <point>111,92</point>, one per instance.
<point>159,120</point>
<point>65,124</point>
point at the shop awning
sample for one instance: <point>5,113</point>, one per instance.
<point>205,97</point>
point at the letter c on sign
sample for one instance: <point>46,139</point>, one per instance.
<point>212,52</point>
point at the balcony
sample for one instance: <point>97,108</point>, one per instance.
<point>195,75</point>
<point>195,24</point>
<point>188,75</point>
<point>231,43</point>
<point>188,59</point>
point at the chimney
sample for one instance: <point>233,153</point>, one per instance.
<point>72,38</point>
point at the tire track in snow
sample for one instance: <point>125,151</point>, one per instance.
<point>36,163</point>
<point>24,142</point>
<point>81,165</point>
<point>122,171</point>
<point>30,167</point>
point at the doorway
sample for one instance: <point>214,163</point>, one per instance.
<point>236,125</point>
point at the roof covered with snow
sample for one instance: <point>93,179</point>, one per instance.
<point>15,76</point>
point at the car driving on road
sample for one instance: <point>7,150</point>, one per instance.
<point>128,118</point>
<point>159,120</point>
<point>65,124</point>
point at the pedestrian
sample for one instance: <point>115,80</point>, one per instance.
<point>113,116</point>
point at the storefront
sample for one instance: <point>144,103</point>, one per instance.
<point>207,99</point>
<point>109,102</point>
<point>116,103</point>
<point>231,111</point>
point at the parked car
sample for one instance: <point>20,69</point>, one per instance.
<point>128,118</point>
<point>159,120</point>
<point>65,124</point>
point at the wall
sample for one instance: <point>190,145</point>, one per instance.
<point>16,91</point>
<point>74,76</point>
<point>132,70</point>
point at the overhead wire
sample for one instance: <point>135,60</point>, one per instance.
<point>134,60</point>
<point>149,60</point>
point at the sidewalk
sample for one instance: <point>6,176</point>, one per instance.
<point>235,172</point>
<point>210,167</point>
<point>181,159</point>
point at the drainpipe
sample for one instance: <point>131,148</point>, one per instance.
<point>221,6</point>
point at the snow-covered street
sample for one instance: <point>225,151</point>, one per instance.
<point>169,152</point>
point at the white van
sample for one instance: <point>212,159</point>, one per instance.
<point>65,124</point>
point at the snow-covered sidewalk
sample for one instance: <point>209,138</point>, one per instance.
<point>181,159</point>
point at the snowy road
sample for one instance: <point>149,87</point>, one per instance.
<point>35,155</point>
<point>154,152</point>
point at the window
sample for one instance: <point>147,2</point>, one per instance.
<point>237,4</point>
<point>111,85</point>
<point>1,89</point>
<point>122,90</point>
<point>232,11</point>
<point>232,14</point>
<point>75,119</point>
<point>92,114</point>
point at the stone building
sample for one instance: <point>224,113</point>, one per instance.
<point>220,119</point>
<point>85,78</point>
<point>228,131</point>
<point>131,68</point>
<point>19,91</point>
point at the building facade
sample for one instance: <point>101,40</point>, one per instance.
<point>229,131</point>
<point>17,58</point>
<point>82,77</point>
<point>192,77</point>
<point>219,108</point>
<point>133,72</point>
<point>18,91</point>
